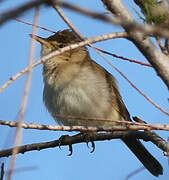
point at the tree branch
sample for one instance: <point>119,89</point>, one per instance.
<point>18,137</point>
<point>81,37</point>
<point>17,11</point>
<point>121,125</point>
<point>157,59</point>
<point>62,50</point>
<point>146,136</point>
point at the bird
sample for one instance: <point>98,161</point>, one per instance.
<point>75,85</point>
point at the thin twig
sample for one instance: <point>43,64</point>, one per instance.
<point>62,50</point>
<point>157,59</point>
<point>159,141</point>
<point>31,24</point>
<point>147,29</point>
<point>89,43</point>
<point>103,51</point>
<point>137,89</point>
<point>134,173</point>
<point>121,125</point>
<point>18,137</point>
<point>69,23</point>
<point>124,58</point>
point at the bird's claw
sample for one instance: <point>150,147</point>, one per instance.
<point>88,139</point>
<point>63,139</point>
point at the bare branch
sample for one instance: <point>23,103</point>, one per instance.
<point>124,58</point>
<point>18,137</point>
<point>134,86</point>
<point>68,22</point>
<point>17,11</point>
<point>62,50</point>
<point>103,51</point>
<point>126,125</point>
<point>147,29</point>
<point>19,20</point>
<point>81,138</point>
<point>134,173</point>
<point>157,59</point>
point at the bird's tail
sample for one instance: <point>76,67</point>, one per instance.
<point>149,162</point>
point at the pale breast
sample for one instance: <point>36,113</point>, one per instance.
<point>81,91</point>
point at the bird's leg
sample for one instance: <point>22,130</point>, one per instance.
<point>88,138</point>
<point>66,138</point>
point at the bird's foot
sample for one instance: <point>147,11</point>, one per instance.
<point>66,138</point>
<point>88,138</point>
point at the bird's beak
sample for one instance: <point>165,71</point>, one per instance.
<point>41,40</point>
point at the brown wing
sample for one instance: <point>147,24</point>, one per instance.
<point>152,165</point>
<point>117,101</point>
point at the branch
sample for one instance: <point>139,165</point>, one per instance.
<point>81,37</point>
<point>62,50</point>
<point>18,137</point>
<point>134,173</point>
<point>101,50</point>
<point>31,24</point>
<point>147,29</point>
<point>123,125</point>
<point>17,11</point>
<point>157,59</point>
<point>124,58</point>
<point>146,136</point>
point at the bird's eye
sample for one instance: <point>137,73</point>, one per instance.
<point>61,46</point>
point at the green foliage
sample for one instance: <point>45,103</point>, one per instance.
<point>155,12</point>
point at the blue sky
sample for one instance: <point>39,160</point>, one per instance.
<point>111,159</point>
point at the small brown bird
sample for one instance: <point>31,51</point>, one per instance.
<point>74,85</point>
